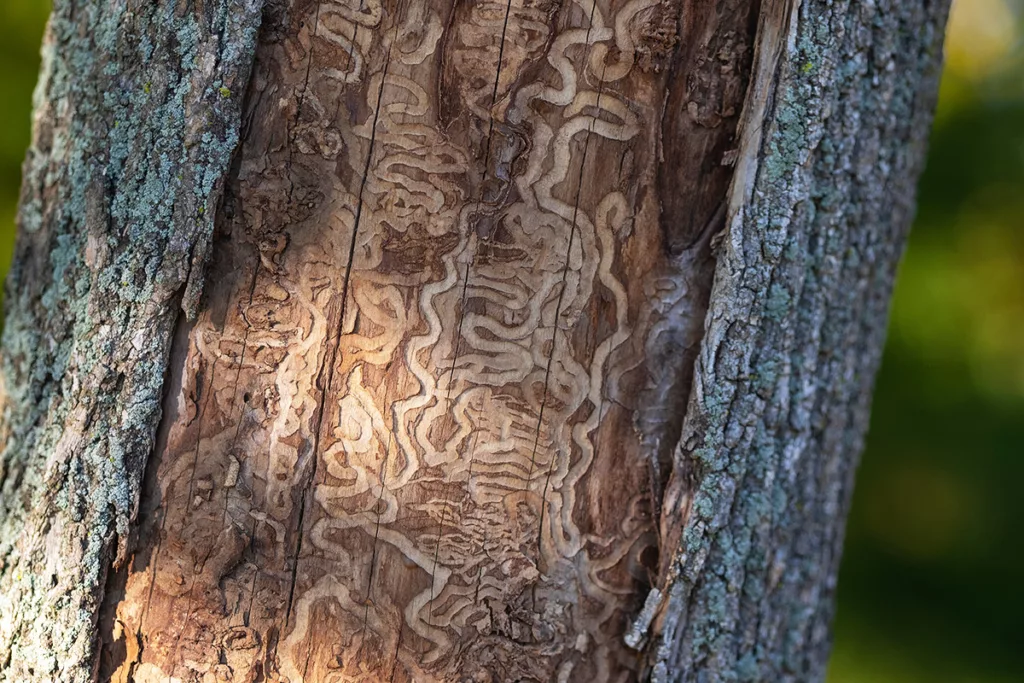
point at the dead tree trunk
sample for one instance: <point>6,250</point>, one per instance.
<point>536,342</point>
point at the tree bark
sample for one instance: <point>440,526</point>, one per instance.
<point>536,342</point>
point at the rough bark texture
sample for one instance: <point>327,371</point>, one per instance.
<point>455,404</point>
<point>137,116</point>
<point>834,136</point>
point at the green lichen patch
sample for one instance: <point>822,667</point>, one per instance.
<point>115,179</point>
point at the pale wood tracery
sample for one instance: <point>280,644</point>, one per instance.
<point>410,440</point>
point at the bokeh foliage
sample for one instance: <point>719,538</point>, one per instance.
<point>21,28</point>
<point>931,586</point>
<point>933,577</point>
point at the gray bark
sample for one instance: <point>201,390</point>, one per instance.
<point>793,338</point>
<point>136,118</point>
<point>138,114</point>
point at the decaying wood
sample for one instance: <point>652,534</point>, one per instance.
<point>405,447</point>
<point>433,418</point>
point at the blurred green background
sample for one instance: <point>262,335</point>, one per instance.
<point>932,585</point>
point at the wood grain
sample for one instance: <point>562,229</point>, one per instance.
<point>420,429</point>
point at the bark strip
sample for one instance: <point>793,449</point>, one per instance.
<point>137,116</point>
<point>833,143</point>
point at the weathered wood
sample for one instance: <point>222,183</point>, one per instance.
<point>404,446</point>
<point>423,425</point>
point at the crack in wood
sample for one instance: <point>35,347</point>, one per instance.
<point>467,178</point>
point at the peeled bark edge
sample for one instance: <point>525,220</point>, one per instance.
<point>137,118</point>
<point>833,141</point>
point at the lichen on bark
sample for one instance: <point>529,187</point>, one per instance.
<point>834,140</point>
<point>136,121</point>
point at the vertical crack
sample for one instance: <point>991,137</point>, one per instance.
<point>376,528</point>
<point>330,361</point>
<point>558,307</point>
<point>462,308</point>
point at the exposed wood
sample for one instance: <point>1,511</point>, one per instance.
<point>432,419</point>
<point>405,447</point>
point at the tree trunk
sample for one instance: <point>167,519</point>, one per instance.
<point>536,343</point>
